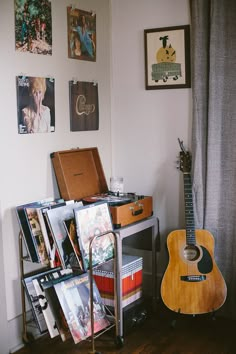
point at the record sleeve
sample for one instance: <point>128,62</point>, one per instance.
<point>74,297</point>
<point>50,245</point>
<point>55,219</point>
<point>70,228</point>
<point>47,312</point>
<point>84,110</point>
<point>34,300</point>
<point>91,220</point>
<point>46,283</point>
<point>36,234</point>
<point>35,104</point>
<point>29,241</point>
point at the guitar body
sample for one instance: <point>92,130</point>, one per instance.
<point>192,283</point>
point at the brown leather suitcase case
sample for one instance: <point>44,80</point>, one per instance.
<point>79,174</point>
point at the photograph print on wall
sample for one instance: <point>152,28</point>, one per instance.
<point>33,26</point>
<point>35,104</point>
<point>81,34</point>
<point>84,112</point>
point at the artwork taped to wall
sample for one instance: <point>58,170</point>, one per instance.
<point>81,34</point>
<point>84,110</point>
<point>33,26</point>
<point>35,104</point>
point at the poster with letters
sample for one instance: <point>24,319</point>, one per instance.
<point>35,104</point>
<point>84,112</point>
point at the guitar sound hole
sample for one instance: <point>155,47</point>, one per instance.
<point>191,253</point>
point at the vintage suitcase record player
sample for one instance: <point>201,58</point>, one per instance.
<point>80,176</point>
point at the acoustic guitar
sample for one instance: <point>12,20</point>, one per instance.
<point>192,283</point>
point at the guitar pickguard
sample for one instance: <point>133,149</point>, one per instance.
<point>205,265</point>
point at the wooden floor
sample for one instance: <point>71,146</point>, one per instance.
<point>191,335</point>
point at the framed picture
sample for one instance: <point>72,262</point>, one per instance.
<point>167,57</point>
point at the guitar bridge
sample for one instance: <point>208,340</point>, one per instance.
<point>193,278</point>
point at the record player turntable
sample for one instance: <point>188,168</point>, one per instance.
<point>80,176</point>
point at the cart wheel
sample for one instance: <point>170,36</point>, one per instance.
<point>119,342</point>
<point>175,77</point>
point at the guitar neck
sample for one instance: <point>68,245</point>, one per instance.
<point>189,212</point>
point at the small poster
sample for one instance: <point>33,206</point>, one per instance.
<point>35,104</point>
<point>33,26</point>
<point>81,34</point>
<point>84,112</point>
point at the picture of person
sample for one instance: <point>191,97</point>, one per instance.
<point>81,34</point>
<point>36,108</point>
<point>33,26</point>
<point>86,37</point>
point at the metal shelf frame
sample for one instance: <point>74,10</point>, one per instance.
<point>124,232</point>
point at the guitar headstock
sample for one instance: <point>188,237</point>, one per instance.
<point>185,159</point>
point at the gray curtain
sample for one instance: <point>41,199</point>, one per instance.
<point>213,40</point>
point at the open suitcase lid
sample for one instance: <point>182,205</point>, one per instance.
<point>79,173</point>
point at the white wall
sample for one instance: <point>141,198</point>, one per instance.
<point>147,123</point>
<point>26,171</point>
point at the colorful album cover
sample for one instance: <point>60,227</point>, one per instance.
<point>35,104</point>
<point>84,110</point>
<point>33,26</point>
<point>55,218</point>
<point>51,247</point>
<point>81,26</point>
<point>74,297</point>
<point>37,235</point>
<point>71,232</point>
<point>30,242</point>
<point>93,220</point>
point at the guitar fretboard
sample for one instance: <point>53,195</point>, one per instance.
<point>189,213</point>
